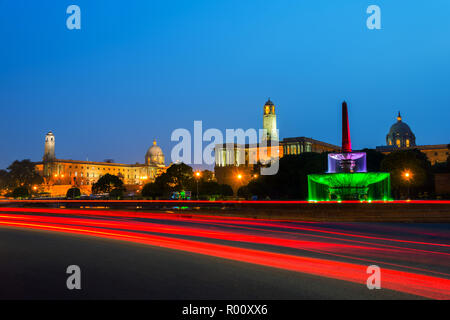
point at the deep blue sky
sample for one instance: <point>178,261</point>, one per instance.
<point>137,70</point>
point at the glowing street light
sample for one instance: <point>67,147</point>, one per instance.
<point>239,176</point>
<point>407,175</point>
<point>197,175</point>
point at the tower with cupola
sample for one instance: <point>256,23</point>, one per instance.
<point>49,148</point>
<point>270,121</point>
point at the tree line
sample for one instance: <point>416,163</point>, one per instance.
<point>20,179</point>
<point>291,181</point>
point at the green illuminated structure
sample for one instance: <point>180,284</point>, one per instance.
<point>347,177</point>
<point>349,186</point>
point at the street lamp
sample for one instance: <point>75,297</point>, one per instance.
<point>407,175</point>
<point>197,177</point>
<point>239,176</point>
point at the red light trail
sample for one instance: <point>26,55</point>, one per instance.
<point>422,264</point>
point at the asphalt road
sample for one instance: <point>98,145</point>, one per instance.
<point>167,256</point>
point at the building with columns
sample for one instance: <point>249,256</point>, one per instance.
<point>61,174</point>
<point>401,137</point>
<point>234,162</point>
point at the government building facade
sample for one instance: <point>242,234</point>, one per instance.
<point>234,162</point>
<point>401,137</point>
<point>61,174</point>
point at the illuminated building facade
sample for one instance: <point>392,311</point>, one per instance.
<point>234,160</point>
<point>401,137</point>
<point>60,172</point>
<point>302,144</point>
<point>270,121</point>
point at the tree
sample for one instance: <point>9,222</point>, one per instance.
<point>73,193</point>
<point>21,192</point>
<point>291,181</point>
<point>116,193</point>
<point>152,190</point>
<point>207,175</point>
<point>212,188</point>
<point>414,162</point>
<point>21,173</point>
<point>448,158</point>
<point>4,179</point>
<point>178,177</point>
<point>226,190</point>
<point>107,183</point>
<point>374,159</point>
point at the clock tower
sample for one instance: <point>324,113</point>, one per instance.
<point>270,121</point>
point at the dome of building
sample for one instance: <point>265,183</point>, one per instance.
<point>400,135</point>
<point>154,155</point>
<point>269,102</point>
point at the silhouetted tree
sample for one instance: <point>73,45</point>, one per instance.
<point>212,188</point>
<point>153,190</point>
<point>448,158</point>
<point>4,183</point>
<point>397,163</point>
<point>374,159</point>
<point>207,175</point>
<point>291,181</point>
<point>21,192</point>
<point>116,193</point>
<point>21,173</point>
<point>178,177</point>
<point>73,193</point>
<point>107,183</point>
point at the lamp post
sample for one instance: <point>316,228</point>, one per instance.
<point>239,178</point>
<point>197,177</point>
<point>407,175</point>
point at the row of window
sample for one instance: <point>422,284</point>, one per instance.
<point>399,144</point>
<point>109,169</point>
<point>297,148</point>
<point>92,175</point>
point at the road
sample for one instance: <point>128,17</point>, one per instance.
<point>136,255</point>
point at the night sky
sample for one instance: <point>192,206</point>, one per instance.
<point>137,70</point>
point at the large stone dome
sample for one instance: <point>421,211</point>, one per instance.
<point>154,155</point>
<point>400,135</point>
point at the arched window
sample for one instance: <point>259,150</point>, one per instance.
<point>398,143</point>
<point>407,143</point>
